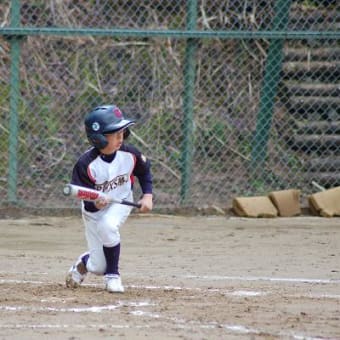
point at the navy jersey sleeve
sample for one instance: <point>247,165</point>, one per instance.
<point>80,176</point>
<point>142,168</point>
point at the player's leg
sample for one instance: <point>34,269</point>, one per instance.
<point>108,229</point>
<point>91,261</point>
<point>103,238</point>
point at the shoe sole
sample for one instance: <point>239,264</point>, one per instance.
<point>115,291</point>
<point>118,290</point>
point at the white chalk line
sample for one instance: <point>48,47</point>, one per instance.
<point>261,278</point>
<point>236,293</point>
<point>21,273</point>
<point>180,323</point>
<point>4,281</point>
<point>224,278</point>
<point>65,326</point>
<point>92,309</point>
<point>239,293</point>
<point>220,278</point>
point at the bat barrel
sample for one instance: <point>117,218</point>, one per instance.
<point>67,190</point>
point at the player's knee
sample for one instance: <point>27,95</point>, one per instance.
<point>96,266</point>
<point>111,239</point>
<point>109,232</point>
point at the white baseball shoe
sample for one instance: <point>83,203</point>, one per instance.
<point>114,283</point>
<point>76,274</point>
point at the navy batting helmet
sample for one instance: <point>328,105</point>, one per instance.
<point>103,120</point>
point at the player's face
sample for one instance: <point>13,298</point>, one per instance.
<point>115,141</point>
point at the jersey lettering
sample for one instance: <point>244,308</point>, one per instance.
<point>113,184</point>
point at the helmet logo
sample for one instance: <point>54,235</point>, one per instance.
<point>117,112</point>
<point>95,126</point>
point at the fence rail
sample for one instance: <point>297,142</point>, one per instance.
<point>177,34</point>
<point>232,97</point>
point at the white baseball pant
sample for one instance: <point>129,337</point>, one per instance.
<point>102,229</point>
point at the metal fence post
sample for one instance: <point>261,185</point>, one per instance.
<point>270,84</point>
<point>188,100</point>
<point>13,103</point>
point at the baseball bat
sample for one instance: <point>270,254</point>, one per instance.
<point>88,194</point>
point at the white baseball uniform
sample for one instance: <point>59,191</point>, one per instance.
<point>114,175</point>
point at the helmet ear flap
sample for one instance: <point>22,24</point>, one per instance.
<point>98,140</point>
<point>126,133</point>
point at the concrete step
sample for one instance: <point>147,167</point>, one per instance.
<point>312,89</point>
<point>315,70</point>
<point>315,108</point>
<point>324,164</point>
<point>315,143</point>
<point>317,127</point>
<point>322,18</point>
<point>308,54</point>
<point>326,179</point>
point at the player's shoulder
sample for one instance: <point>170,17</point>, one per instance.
<point>130,148</point>
<point>141,160</point>
<point>88,156</point>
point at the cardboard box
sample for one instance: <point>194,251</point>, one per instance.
<point>326,203</point>
<point>258,206</point>
<point>287,202</point>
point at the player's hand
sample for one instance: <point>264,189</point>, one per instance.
<point>101,203</point>
<point>146,203</point>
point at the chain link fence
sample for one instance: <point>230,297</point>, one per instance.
<point>232,98</point>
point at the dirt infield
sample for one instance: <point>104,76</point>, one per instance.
<point>185,278</point>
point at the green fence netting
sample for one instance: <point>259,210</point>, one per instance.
<point>232,97</point>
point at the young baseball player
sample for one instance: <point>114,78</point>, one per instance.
<point>109,166</point>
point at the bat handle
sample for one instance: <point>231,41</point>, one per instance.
<point>132,204</point>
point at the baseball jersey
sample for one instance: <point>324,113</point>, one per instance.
<point>113,174</point>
